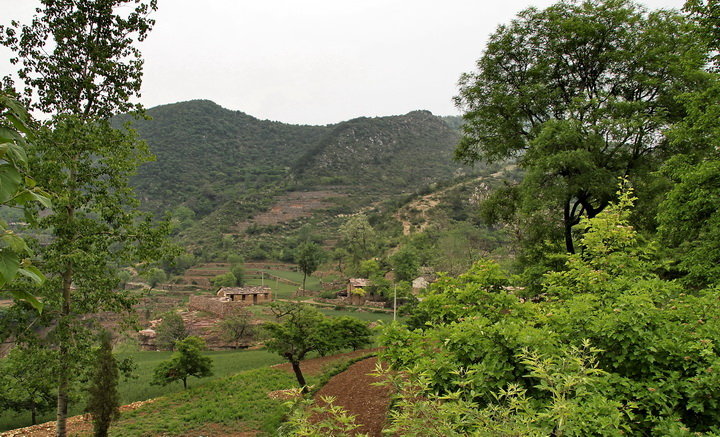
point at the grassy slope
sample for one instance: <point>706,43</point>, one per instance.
<point>236,403</point>
<point>224,364</point>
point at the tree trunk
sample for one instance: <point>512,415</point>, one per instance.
<point>185,383</point>
<point>304,276</point>
<point>568,224</point>
<point>63,380</point>
<point>33,415</point>
<point>299,375</point>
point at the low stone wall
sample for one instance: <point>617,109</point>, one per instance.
<point>215,305</point>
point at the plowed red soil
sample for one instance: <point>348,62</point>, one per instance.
<point>315,366</point>
<point>353,390</point>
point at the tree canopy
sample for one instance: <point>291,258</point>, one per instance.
<point>302,329</point>
<point>579,94</point>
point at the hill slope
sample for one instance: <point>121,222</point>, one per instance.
<point>385,153</point>
<point>205,152</point>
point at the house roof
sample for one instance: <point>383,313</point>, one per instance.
<point>244,290</point>
<point>360,282</point>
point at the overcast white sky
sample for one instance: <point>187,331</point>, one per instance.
<point>314,61</point>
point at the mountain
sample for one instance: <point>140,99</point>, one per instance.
<point>225,175</point>
<point>205,152</point>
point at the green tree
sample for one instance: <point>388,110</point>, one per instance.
<point>405,263</point>
<point>611,347</point>
<point>225,280</point>
<point>79,65</point>
<point>358,238</point>
<point>688,217</point>
<point>309,256</point>
<point>170,330</point>
<point>238,270</point>
<point>302,329</point>
<point>186,361</point>
<point>237,327</point>
<point>155,276</point>
<point>578,94</point>
<point>103,398</point>
<point>25,382</point>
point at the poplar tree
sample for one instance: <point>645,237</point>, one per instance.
<point>79,65</point>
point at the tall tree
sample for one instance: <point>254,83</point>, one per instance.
<point>689,216</point>
<point>309,256</point>
<point>579,94</point>
<point>358,238</point>
<point>79,65</point>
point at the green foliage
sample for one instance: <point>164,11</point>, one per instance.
<point>611,349</point>
<point>17,189</point>
<point>405,263</point>
<point>579,93</point>
<point>576,406</point>
<point>302,329</point>
<point>238,271</point>
<point>103,398</point>
<point>451,299</point>
<point>334,419</point>
<point>155,276</point>
<point>358,239</point>
<point>24,381</point>
<point>170,330</point>
<point>225,280</point>
<point>186,361</point>
<point>308,257</point>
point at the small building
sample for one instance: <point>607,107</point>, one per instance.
<point>258,294</point>
<point>354,283</point>
<point>422,282</point>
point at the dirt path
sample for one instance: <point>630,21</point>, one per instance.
<point>315,366</point>
<point>353,390</point>
<point>76,425</point>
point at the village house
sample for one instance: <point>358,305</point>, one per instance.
<point>259,294</point>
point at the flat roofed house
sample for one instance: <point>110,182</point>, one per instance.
<point>242,294</point>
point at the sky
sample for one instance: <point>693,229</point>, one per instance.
<point>313,61</point>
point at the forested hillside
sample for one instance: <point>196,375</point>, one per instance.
<point>205,154</point>
<point>216,171</point>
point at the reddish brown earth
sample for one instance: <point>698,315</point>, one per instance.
<point>353,390</point>
<point>315,366</point>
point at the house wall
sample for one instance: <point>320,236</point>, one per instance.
<point>215,305</point>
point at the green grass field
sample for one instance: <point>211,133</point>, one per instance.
<point>233,404</point>
<point>362,315</point>
<point>224,363</point>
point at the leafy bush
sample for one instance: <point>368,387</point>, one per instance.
<point>654,360</point>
